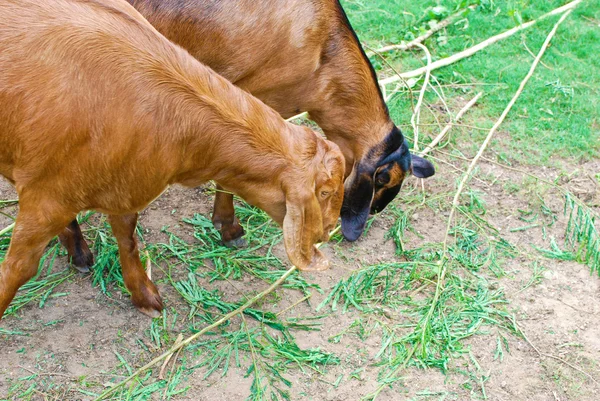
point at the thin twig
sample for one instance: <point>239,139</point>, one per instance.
<point>415,42</point>
<point>577,309</point>
<point>441,95</point>
<point>294,304</point>
<point>297,116</point>
<point>161,373</point>
<point>483,147</point>
<point>533,55</point>
<point>501,120</point>
<point>179,339</point>
<point>414,120</point>
<point>403,83</point>
<point>451,124</point>
<point>48,373</point>
<point>219,322</point>
<point>7,229</point>
<point>540,353</point>
<point>444,262</point>
<point>480,46</point>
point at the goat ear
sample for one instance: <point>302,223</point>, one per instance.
<point>302,228</point>
<point>357,204</point>
<point>333,161</point>
<point>422,168</point>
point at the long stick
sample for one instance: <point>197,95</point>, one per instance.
<point>7,229</point>
<point>445,259</point>
<point>219,322</point>
<point>414,120</point>
<point>297,116</point>
<point>502,117</point>
<point>188,340</point>
<point>480,46</point>
<point>483,147</point>
<point>451,124</point>
<point>413,43</point>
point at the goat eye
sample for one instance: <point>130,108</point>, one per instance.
<point>382,178</point>
<point>325,194</point>
<point>380,181</point>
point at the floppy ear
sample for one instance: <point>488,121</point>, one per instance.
<point>422,168</point>
<point>357,204</point>
<point>302,228</point>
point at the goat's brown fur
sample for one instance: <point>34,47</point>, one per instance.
<point>99,111</point>
<point>298,55</point>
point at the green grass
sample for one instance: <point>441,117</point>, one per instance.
<point>556,118</point>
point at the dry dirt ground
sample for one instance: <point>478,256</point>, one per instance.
<point>560,316</point>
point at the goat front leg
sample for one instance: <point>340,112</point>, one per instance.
<point>225,221</point>
<point>144,293</point>
<point>80,254</point>
<point>34,228</point>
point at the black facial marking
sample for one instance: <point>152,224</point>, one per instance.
<point>386,197</point>
<point>378,179</point>
<point>359,194</point>
<point>382,178</point>
<point>355,209</point>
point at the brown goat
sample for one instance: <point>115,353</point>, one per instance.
<point>296,55</point>
<point>99,111</point>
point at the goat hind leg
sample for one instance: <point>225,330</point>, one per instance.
<point>225,221</point>
<point>34,228</point>
<point>80,254</point>
<point>144,294</point>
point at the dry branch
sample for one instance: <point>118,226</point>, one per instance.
<point>482,149</point>
<point>297,116</point>
<point>445,258</point>
<point>413,43</point>
<point>179,345</point>
<point>190,339</point>
<point>478,47</point>
<point>451,124</point>
<point>414,120</point>
<point>7,229</point>
<point>502,117</point>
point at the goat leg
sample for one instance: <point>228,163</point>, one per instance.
<point>80,254</point>
<point>34,228</point>
<point>225,221</point>
<point>144,293</point>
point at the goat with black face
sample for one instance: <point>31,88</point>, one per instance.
<point>377,179</point>
<point>295,56</point>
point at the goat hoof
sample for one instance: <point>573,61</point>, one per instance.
<point>81,269</point>
<point>82,261</point>
<point>236,243</point>
<point>151,313</point>
<point>148,301</point>
<point>318,263</point>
